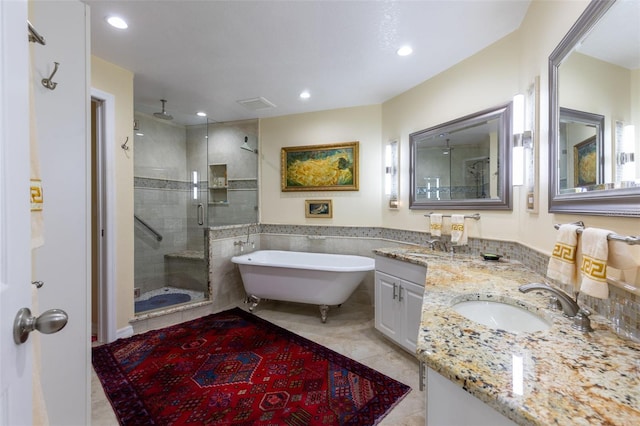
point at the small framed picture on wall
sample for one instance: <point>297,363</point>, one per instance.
<point>318,209</point>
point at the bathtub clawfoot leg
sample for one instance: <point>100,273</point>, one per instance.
<point>254,302</point>
<point>323,312</point>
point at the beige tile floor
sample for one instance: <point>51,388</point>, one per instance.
<point>349,330</point>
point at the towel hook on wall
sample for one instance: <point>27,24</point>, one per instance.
<point>124,145</point>
<point>47,82</point>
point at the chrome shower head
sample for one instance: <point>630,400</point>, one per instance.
<point>246,146</point>
<point>163,115</point>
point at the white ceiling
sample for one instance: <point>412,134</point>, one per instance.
<point>207,55</point>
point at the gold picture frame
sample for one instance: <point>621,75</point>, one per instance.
<point>318,209</point>
<point>332,167</point>
<point>585,163</point>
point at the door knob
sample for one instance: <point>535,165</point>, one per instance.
<point>49,322</point>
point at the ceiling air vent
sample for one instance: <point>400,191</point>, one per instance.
<point>257,104</point>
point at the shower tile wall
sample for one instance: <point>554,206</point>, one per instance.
<point>225,140</point>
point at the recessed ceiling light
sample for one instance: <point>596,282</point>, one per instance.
<point>201,114</point>
<point>405,51</point>
<point>305,95</point>
<point>117,22</point>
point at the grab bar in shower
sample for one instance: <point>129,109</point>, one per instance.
<point>146,225</point>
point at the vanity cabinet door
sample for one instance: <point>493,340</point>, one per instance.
<point>399,287</point>
<point>411,311</point>
<point>386,305</point>
<point>398,309</point>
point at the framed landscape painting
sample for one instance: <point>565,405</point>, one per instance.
<point>332,167</point>
<point>585,163</point>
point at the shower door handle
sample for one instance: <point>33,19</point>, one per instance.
<point>200,213</point>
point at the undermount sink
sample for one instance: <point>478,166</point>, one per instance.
<point>417,254</point>
<point>500,315</point>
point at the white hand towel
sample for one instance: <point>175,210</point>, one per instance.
<point>435,224</point>
<point>458,230</point>
<point>595,252</point>
<point>35,189</point>
<point>562,264</point>
<point>620,256</point>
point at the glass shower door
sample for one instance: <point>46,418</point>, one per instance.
<point>169,202</point>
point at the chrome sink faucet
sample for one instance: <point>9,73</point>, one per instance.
<point>433,243</point>
<point>569,306</point>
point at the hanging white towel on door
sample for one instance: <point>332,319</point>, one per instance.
<point>35,187</point>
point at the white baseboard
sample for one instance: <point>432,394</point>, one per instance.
<point>124,332</point>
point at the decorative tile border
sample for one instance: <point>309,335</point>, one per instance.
<point>242,184</point>
<point>151,183</point>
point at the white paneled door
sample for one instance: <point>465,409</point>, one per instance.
<point>15,260</point>
<point>62,263</point>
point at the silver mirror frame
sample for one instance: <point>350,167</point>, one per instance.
<point>503,113</point>
<point>606,202</point>
<point>592,120</point>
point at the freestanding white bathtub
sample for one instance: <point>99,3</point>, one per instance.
<point>292,276</point>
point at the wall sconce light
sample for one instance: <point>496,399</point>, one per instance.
<point>626,157</point>
<point>521,138</point>
<point>391,173</point>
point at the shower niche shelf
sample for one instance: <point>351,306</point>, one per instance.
<point>218,184</point>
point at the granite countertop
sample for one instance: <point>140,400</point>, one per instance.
<point>569,377</point>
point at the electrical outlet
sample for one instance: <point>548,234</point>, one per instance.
<point>136,292</point>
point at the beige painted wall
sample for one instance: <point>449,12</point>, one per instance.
<point>487,79</point>
<point>118,82</point>
<point>545,25</point>
<point>350,208</point>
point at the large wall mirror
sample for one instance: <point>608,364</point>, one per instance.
<point>594,92</point>
<point>463,164</point>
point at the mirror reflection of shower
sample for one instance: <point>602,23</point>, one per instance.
<point>479,170</point>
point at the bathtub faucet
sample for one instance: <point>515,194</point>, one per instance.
<point>255,225</point>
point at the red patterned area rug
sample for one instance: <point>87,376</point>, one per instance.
<point>234,368</point>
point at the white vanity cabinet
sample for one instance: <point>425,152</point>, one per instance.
<point>444,399</point>
<point>399,287</point>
